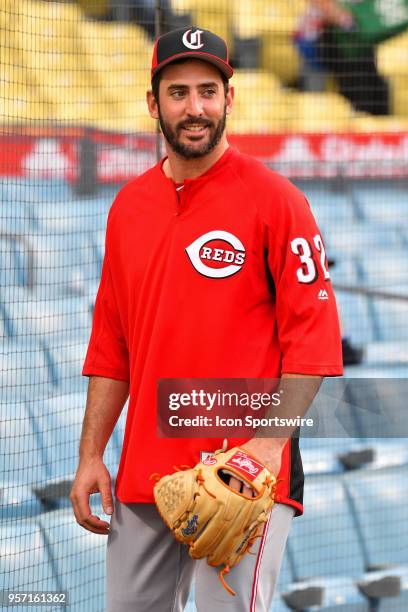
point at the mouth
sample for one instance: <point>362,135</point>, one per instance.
<point>195,129</point>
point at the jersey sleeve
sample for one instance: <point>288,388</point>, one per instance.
<point>107,353</point>
<point>306,310</point>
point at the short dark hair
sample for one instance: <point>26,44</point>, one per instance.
<point>157,78</point>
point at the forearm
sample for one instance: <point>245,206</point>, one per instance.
<point>297,392</point>
<point>105,400</point>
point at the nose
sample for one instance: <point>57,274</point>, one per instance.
<point>194,107</point>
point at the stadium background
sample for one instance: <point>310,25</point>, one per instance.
<point>73,127</point>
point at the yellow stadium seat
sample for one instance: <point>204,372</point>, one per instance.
<point>258,17</point>
<point>319,112</point>
<point>93,8</point>
<point>281,57</point>
<point>119,57</point>
<point>275,23</point>
<point>21,105</point>
<point>270,111</point>
<point>371,123</point>
<point>399,95</point>
<point>214,15</point>
<point>392,56</point>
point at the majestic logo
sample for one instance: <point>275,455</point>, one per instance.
<point>217,254</point>
<point>244,464</point>
<point>323,295</point>
<point>192,525</point>
<point>192,40</point>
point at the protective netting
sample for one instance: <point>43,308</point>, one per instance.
<point>326,104</point>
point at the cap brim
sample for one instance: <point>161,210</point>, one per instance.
<point>205,57</point>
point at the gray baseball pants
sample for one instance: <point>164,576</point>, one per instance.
<point>149,571</point>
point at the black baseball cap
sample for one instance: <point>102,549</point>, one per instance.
<point>194,43</point>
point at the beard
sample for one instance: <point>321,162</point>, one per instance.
<point>172,136</point>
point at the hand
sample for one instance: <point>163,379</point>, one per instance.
<point>269,452</point>
<point>92,477</point>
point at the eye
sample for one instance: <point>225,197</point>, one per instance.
<point>209,92</point>
<point>177,93</point>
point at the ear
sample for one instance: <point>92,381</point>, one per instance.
<point>152,105</point>
<point>230,99</point>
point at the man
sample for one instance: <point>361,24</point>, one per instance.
<point>167,307</point>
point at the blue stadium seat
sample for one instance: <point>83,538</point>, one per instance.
<point>24,370</point>
<point>324,546</point>
<point>47,318</point>
<point>379,405</point>
<point>14,261</point>
<point>72,215</point>
<point>59,422</point>
<point>23,458</point>
<point>18,500</point>
<point>79,559</point>
<point>360,237</point>
<point>17,217</point>
<point>392,317</point>
<point>379,201</point>
<point>25,562</point>
<point>357,320</point>
<point>329,207</point>
<point>344,271</point>
<point>67,357</point>
<point>64,262</point>
<point>385,270</point>
<point>380,502</point>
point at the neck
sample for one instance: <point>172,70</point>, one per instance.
<point>178,168</point>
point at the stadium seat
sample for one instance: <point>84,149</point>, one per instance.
<point>214,15</point>
<point>359,237</point>
<point>64,262</point>
<point>374,124</point>
<point>24,370</point>
<point>320,112</point>
<point>326,550</point>
<point>381,201</point>
<point>392,56</point>
<point>45,318</point>
<point>25,562</point>
<point>250,118</point>
<point>59,423</point>
<point>72,215</point>
<point>274,23</point>
<point>392,317</point>
<point>379,407</point>
<point>23,456</point>
<point>380,500</point>
<point>330,208</point>
<point>18,501</point>
<point>67,358</point>
<point>14,260</point>
<point>356,318</point>
<point>78,557</point>
<point>385,270</point>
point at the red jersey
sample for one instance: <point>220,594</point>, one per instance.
<point>226,278</point>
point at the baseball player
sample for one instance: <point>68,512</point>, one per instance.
<point>214,267</point>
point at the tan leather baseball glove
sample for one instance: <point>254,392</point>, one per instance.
<point>214,520</point>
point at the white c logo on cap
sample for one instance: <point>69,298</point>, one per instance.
<point>192,40</point>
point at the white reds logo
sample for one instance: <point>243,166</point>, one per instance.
<point>192,40</point>
<point>217,254</point>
